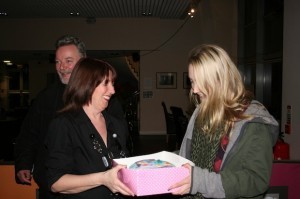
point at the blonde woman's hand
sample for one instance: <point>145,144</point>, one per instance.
<point>183,187</point>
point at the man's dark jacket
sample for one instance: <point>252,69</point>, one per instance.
<point>29,147</point>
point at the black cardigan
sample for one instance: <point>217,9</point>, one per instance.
<point>29,147</point>
<point>72,150</point>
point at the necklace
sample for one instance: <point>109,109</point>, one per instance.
<point>106,159</point>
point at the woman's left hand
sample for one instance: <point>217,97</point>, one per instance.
<point>184,186</point>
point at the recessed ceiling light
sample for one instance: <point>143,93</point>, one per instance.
<point>147,14</point>
<point>75,14</point>
<point>3,14</point>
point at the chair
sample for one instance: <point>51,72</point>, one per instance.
<point>181,122</point>
<point>170,123</point>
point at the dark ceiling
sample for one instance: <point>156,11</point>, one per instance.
<point>23,56</point>
<point>163,9</point>
<point>90,10</point>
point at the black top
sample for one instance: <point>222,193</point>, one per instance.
<point>75,147</point>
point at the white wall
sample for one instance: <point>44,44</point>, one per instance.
<point>291,72</point>
<point>216,22</point>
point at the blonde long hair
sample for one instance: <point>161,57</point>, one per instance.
<point>217,77</point>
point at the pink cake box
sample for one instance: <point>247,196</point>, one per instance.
<point>154,180</point>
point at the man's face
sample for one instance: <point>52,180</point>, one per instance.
<point>66,59</point>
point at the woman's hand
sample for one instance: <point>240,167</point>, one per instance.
<point>184,186</point>
<point>113,183</point>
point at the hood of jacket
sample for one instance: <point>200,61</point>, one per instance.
<point>261,115</point>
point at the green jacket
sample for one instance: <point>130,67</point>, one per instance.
<point>247,162</point>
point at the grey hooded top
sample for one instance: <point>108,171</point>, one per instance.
<point>247,162</point>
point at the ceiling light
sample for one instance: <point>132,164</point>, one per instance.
<point>193,7</point>
<point>3,14</point>
<point>7,62</point>
<point>147,14</point>
<point>75,14</point>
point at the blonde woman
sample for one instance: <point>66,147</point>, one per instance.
<point>229,136</point>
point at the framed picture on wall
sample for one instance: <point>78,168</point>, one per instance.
<point>186,81</point>
<point>166,80</point>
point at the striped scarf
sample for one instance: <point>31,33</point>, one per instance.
<point>204,152</point>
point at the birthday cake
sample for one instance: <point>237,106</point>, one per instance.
<point>150,164</point>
